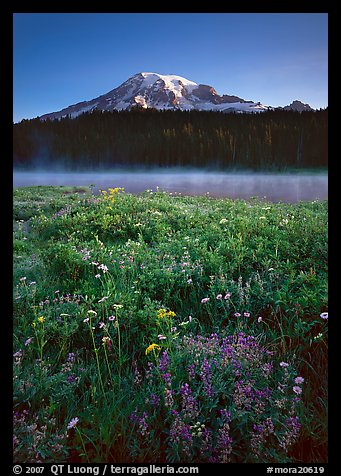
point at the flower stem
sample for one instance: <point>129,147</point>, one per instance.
<point>97,360</point>
<point>83,445</point>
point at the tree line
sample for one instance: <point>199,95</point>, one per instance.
<point>275,140</point>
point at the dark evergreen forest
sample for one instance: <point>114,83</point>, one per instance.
<point>273,140</point>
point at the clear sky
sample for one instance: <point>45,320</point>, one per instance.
<point>60,59</point>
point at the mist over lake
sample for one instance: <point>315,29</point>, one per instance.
<point>276,187</point>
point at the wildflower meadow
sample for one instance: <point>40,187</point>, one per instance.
<point>167,328</point>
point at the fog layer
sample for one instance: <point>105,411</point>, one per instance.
<point>286,187</point>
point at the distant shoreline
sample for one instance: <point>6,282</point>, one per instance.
<point>175,169</point>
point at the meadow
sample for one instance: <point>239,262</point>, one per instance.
<point>167,328</point>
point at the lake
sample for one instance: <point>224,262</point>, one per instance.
<point>275,187</point>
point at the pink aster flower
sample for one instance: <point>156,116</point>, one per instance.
<point>227,296</point>
<point>103,267</point>
<point>219,296</point>
<point>259,319</point>
<point>204,300</point>
<point>299,380</point>
<point>237,314</point>
<point>73,423</point>
<point>324,315</point>
<point>247,314</point>
<point>284,364</point>
<point>297,390</point>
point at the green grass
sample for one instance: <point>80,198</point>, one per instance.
<point>90,277</point>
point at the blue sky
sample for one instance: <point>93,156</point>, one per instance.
<point>61,59</point>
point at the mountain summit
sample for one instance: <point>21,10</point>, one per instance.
<point>298,106</point>
<point>153,90</point>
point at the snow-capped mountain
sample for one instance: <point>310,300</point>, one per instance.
<point>153,90</point>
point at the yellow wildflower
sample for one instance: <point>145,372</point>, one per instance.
<point>152,347</point>
<point>113,192</point>
<point>162,313</point>
<point>41,319</point>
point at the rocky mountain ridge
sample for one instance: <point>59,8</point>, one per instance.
<point>166,92</point>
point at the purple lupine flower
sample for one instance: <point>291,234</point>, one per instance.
<point>267,369</point>
<point>154,400</point>
<point>164,362</point>
<point>224,439</point>
<point>225,414</point>
<point>191,371</point>
<point>206,376</point>
<point>265,393</point>
<point>71,378</point>
<point>293,422</point>
<point>180,433</point>
<point>206,442</point>
<point>141,422</point>
<point>291,435</point>
<point>166,377</point>
<point>224,445</point>
<point>189,404</point>
<point>244,394</point>
<point>169,400</point>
